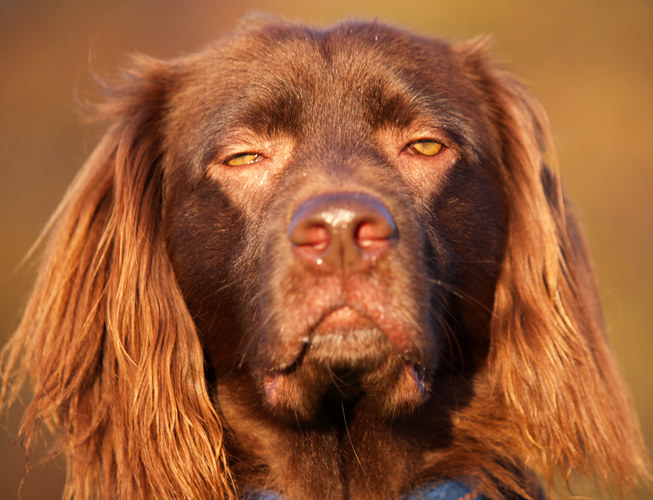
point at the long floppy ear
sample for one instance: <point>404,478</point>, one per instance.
<point>550,359</point>
<point>113,354</point>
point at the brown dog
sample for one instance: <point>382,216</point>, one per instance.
<point>328,264</point>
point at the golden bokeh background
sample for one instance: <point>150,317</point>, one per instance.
<point>590,62</point>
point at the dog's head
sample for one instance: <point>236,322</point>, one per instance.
<point>358,215</point>
<point>335,203</point>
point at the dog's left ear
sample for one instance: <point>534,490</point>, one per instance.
<point>107,340</point>
<point>550,360</point>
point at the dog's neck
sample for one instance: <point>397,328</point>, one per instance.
<point>348,452</point>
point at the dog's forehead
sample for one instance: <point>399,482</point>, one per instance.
<point>345,41</point>
<point>342,56</point>
<point>284,76</point>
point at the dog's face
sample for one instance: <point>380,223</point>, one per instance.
<point>344,187</point>
<point>327,264</point>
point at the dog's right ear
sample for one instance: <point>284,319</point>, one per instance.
<point>550,359</point>
<point>102,333</point>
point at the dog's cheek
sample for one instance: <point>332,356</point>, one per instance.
<point>205,244</point>
<point>471,221</point>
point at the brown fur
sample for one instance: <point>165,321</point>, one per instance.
<point>173,337</point>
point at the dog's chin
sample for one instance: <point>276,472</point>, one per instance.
<point>352,365</point>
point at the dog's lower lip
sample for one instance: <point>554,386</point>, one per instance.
<point>344,335</point>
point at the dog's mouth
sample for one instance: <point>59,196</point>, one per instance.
<point>346,337</point>
<point>346,357</point>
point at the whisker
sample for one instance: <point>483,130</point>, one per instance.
<point>457,292</point>
<point>353,448</point>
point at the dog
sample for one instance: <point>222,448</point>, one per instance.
<point>321,264</point>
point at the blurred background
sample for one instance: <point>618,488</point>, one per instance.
<point>590,62</point>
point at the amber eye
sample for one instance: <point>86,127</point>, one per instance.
<point>426,147</point>
<point>241,159</point>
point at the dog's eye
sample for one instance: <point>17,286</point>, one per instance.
<point>241,159</point>
<point>426,147</point>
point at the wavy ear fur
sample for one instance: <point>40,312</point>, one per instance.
<point>102,332</point>
<point>550,360</point>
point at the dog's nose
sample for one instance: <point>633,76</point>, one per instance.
<point>342,232</point>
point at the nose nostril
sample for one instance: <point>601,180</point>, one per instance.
<point>365,234</point>
<point>316,237</point>
<point>368,233</point>
<point>373,238</point>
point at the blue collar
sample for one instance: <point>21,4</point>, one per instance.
<point>447,490</point>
